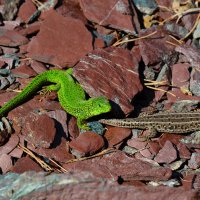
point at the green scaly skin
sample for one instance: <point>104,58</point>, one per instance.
<point>70,95</point>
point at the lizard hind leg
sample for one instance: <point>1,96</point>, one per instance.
<point>47,89</point>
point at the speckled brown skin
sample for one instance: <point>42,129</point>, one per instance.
<point>70,95</point>
<point>182,122</point>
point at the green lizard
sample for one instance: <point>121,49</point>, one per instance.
<point>70,95</point>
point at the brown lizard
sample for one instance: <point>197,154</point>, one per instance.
<point>183,122</point>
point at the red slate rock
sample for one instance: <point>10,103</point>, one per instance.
<point>155,47</point>
<point>23,49</point>
<point>31,29</point>
<point>5,163</point>
<point>24,71</point>
<point>174,138</point>
<point>115,135</point>
<point>179,95</point>
<point>25,164</point>
<point>41,130</point>
<point>86,143</point>
<point>188,181</point>
<point>183,151</point>
<point>167,154</point>
<point>113,13</point>
<point>180,69</point>
<point>26,10</point>
<point>87,187</point>
<point>154,147</point>
<point>137,143</point>
<point>142,146</point>
<point>63,34</point>
<point>194,162</point>
<point>61,117</point>
<point>17,152</point>
<point>71,8</point>
<point>10,145</point>
<point>110,72</point>
<point>11,38</point>
<point>119,164</point>
<point>191,53</point>
<point>196,182</point>
<point>2,64</point>
<point>73,128</point>
<point>38,66</point>
<point>9,50</point>
<point>59,153</point>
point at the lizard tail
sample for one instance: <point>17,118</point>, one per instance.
<point>27,92</point>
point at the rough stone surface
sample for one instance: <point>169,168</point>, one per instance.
<point>167,154</point>
<point>82,186</point>
<point>26,164</point>
<point>183,151</point>
<point>115,135</point>
<point>194,162</point>
<point>86,143</point>
<point>24,71</point>
<point>11,38</point>
<point>110,72</point>
<point>154,49</point>
<point>41,130</point>
<point>10,145</point>
<point>118,164</point>
<point>113,13</point>
<point>63,34</point>
<point>26,10</point>
<point>6,163</point>
<point>58,152</point>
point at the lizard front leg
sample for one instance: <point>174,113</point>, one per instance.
<point>82,124</point>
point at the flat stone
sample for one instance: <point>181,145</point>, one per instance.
<point>38,66</point>
<point>188,181</point>
<point>73,128</point>
<point>183,151</point>
<point>112,13</point>
<point>41,130</point>
<point>167,154</point>
<point>10,145</point>
<point>61,121</point>
<point>174,138</point>
<point>196,182</point>
<point>182,70</point>
<point>154,147</point>
<point>11,38</point>
<point>24,71</point>
<point>59,151</point>
<point>155,47</point>
<point>83,185</point>
<point>110,72</point>
<point>25,164</point>
<point>118,164</point>
<point>137,143</point>
<point>63,34</point>
<point>191,53</point>
<point>86,143</point>
<point>26,10</point>
<point>194,162</point>
<point>31,29</point>
<point>5,163</point>
<point>194,82</point>
<point>116,135</point>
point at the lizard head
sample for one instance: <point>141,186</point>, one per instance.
<point>99,105</point>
